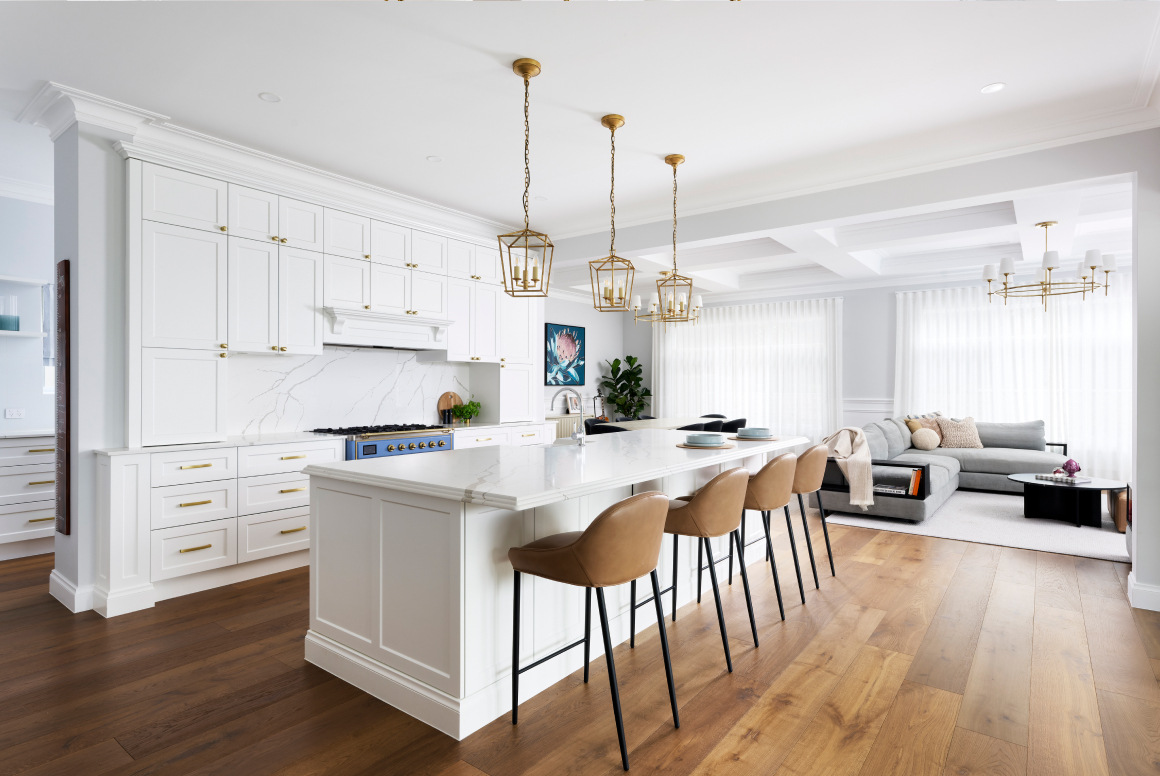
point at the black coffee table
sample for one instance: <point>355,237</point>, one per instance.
<point>1051,500</point>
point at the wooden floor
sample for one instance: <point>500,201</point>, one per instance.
<point>924,656</point>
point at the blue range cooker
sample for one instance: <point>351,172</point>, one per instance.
<point>383,441</point>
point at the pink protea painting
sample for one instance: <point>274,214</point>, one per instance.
<point>564,361</point>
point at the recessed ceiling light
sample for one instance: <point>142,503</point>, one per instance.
<point>434,159</point>
<point>992,88</point>
<point>269,97</point>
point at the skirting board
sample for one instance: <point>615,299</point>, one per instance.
<point>76,599</point>
<point>1143,596</point>
<point>229,575</point>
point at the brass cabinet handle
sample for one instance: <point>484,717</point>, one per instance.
<point>197,466</point>
<point>483,439</point>
<point>41,519</point>
<point>43,450</point>
<point>196,503</point>
<point>281,239</point>
<point>222,228</point>
<point>283,348</point>
<point>291,490</point>
<point>293,530</point>
<point>195,549</point>
<point>528,435</point>
<point>292,457</point>
<point>42,482</point>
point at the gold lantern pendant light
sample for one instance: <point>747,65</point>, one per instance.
<point>674,290</point>
<point>526,255</point>
<point>612,276</point>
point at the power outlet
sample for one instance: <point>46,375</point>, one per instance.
<point>13,414</point>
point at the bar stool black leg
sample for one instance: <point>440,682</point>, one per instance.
<point>612,676</point>
<point>700,565</point>
<point>730,543</point>
<point>632,615</point>
<point>772,564</point>
<point>717,597</point>
<point>797,567</point>
<point>587,630</point>
<point>745,583</point>
<point>741,548</point>
<point>809,544</point>
<point>826,533</point>
<point>516,649</point>
<point>656,586</point>
<point>675,571</point>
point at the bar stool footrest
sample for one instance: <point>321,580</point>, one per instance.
<point>649,600</point>
<point>557,653</point>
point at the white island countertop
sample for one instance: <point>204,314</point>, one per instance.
<point>517,478</point>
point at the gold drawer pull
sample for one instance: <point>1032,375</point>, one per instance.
<point>291,490</point>
<point>196,503</point>
<point>43,450</point>
<point>195,549</point>
<point>42,482</point>
<point>528,435</point>
<point>197,466</point>
<point>41,519</point>
<point>483,439</point>
<point>293,530</point>
<point>292,457</point>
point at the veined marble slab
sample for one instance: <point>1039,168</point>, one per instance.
<point>520,478</point>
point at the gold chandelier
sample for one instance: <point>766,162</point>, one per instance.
<point>674,301</point>
<point>526,255</point>
<point>1045,285</point>
<point>612,276</point>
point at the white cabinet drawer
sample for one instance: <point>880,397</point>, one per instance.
<point>272,491</point>
<point>27,521</point>
<point>289,457</point>
<point>532,435</point>
<point>21,484</point>
<point>198,502</point>
<point>465,438</point>
<point>273,533</point>
<point>184,467</point>
<point>189,549</point>
<point>27,450</point>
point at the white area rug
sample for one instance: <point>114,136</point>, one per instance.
<point>997,518</point>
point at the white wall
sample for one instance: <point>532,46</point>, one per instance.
<point>604,335</point>
<point>26,252</point>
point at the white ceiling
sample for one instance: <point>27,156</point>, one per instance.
<point>765,99</point>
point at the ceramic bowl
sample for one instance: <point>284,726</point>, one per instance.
<point>755,431</point>
<point>705,440</point>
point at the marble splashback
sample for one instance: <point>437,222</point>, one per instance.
<point>345,386</point>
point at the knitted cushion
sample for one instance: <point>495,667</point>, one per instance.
<point>961,433</point>
<point>925,439</point>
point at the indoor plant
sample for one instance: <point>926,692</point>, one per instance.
<point>624,387</point>
<point>465,412</point>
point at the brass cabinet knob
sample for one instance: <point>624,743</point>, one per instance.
<point>274,237</point>
<point>503,366</point>
<point>367,306</point>
<point>273,347</point>
<point>223,355</point>
<point>366,255</point>
<point>283,348</point>
<point>411,446</point>
<point>222,228</point>
<point>281,239</point>
<point>224,345</point>
<point>503,359</point>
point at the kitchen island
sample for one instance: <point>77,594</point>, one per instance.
<point>410,586</point>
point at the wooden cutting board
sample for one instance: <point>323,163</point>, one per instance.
<point>448,400</point>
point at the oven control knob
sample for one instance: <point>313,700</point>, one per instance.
<point>442,442</point>
<point>390,448</point>
<point>411,446</point>
<point>422,445</point>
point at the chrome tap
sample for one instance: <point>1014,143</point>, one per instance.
<point>580,435</point>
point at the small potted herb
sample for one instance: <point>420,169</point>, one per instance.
<point>465,412</point>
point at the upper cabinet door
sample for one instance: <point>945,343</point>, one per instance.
<point>485,322</point>
<point>347,283</point>
<point>429,252</point>
<point>487,266</point>
<point>390,289</point>
<point>183,199</point>
<point>183,396</point>
<point>460,259</point>
<point>459,304</point>
<point>300,322</point>
<point>253,295</point>
<point>517,389</point>
<point>299,224</point>
<point>253,214</point>
<point>520,327</point>
<point>428,295</point>
<point>183,287</point>
<point>390,244</point>
<point>347,235</point>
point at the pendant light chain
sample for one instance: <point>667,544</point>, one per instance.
<point>674,219</point>
<point>612,196</point>
<point>527,154</point>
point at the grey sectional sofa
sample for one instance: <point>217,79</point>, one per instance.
<point>1008,448</point>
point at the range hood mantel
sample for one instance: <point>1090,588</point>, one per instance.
<point>369,328</point>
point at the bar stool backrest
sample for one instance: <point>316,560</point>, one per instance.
<point>772,487</point>
<point>716,508</point>
<point>811,467</point>
<point>624,541</point>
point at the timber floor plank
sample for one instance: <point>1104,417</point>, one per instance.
<point>974,754</point>
<point>1017,566</point>
<point>947,651</point>
<point>916,734</point>
<point>1098,577</point>
<point>1148,628</point>
<point>1056,584</point>
<point>1132,730</point>
<point>1120,663</point>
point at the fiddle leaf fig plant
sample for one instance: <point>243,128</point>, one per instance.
<point>624,387</point>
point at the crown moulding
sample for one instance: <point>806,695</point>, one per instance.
<point>56,107</point>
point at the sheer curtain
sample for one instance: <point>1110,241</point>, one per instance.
<point>778,364</point>
<point>1070,366</point>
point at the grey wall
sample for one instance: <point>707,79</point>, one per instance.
<point>604,334</point>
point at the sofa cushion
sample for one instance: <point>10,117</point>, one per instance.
<point>894,444</point>
<point>1002,460</point>
<point>947,462</point>
<point>915,424</point>
<point>959,433</point>
<point>876,440</point>
<point>924,439</point>
<point>904,431</point>
<point>1029,435</point>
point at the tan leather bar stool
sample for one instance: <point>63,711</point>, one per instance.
<point>770,488</point>
<point>811,468</point>
<point>622,544</point>
<point>714,510</point>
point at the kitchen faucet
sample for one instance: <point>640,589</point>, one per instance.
<point>580,435</point>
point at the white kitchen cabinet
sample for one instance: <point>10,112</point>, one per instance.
<point>390,244</point>
<point>253,214</point>
<point>347,283</point>
<point>183,198</point>
<point>482,437</point>
<point>183,287</point>
<point>485,322</point>
<point>300,224</point>
<point>300,318</point>
<point>474,309</point>
<point>517,382</point>
<point>473,262</point>
<point>197,502</point>
<point>273,533</point>
<point>428,252</point>
<point>428,294</point>
<point>487,266</point>
<point>253,296</point>
<point>189,549</point>
<point>389,289</point>
<point>459,305</point>
<point>346,235</point>
<point>520,328</point>
<point>183,396</point>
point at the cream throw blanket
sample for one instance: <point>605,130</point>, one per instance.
<point>848,446</point>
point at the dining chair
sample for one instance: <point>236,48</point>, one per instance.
<point>693,427</point>
<point>712,425</point>
<point>733,426</point>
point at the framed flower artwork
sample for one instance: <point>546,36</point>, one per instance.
<point>564,358</point>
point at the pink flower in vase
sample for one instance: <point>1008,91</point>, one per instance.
<point>1071,467</point>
